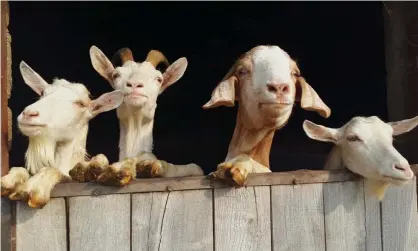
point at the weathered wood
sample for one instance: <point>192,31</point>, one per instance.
<point>298,217</point>
<point>41,230</point>
<point>203,182</point>
<point>399,218</point>
<point>345,216</point>
<point>6,223</point>
<point>100,223</point>
<point>242,218</point>
<point>373,224</point>
<point>180,220</point>
<point>4,116</point>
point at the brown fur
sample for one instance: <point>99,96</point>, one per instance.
<point>249,139</point>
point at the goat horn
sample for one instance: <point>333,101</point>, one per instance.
<point>156,57</point>
<point>121,56</point>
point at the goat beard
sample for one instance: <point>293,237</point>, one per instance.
<point>40,154</point>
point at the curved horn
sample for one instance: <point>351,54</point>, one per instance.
<point>121,56</point>
<point>156,57</point>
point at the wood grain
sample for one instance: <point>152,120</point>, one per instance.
<point>100,223</point>
<point>399,218</point>
<point>345,216</point>
<point>180,220</point>
<point>242,219</point>
<point>298,217</point>
<point>202,182</point>
<point>41,230</point>
<point>373,224</point>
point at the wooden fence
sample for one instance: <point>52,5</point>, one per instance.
<point>302,210</point>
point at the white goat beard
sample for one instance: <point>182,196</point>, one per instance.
<point>40,154</point>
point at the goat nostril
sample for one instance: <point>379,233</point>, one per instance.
<point>129,85</point>
<point>284,88</point>
<point>271,88</point>
<point>400,168</point>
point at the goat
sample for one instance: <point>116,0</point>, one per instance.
<point>364,146</point>
<point>266,82</point>
<point>57,126</point>
<point>141,84</point>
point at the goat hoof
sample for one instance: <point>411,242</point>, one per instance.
<point>230,174</point>
<point>19,195</point>
<point>149,169</point>
<point>110,178</point>
<point>78,173</point>
<point>5,192</point>
<point>36,201</point>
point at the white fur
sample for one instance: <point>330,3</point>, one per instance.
<point>57,126</point>
<point>141,84</point>
<point>373,156</point>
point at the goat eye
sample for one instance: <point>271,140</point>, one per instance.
<point>115,75</point>
<point>241,72</point>
<point>159,79</point>
<point>296,74</point>
<point>353,138</point>
<point>80,104</point>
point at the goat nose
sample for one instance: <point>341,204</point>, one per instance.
<point>278,88</point>
<point>30,113</point>
<point>134,84</point>
<point>402,167</point>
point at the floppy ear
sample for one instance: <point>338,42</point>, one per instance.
<point>225,93</point>
<point>173,73</point>
<point>106,102</point>
<point>319,132</point>
<point>32,79</point>
<point>101,64</point>
<point>403,126</point>
<point>309,99</point>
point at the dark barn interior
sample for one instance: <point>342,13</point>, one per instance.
<point>339,47</point>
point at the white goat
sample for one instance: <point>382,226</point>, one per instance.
<point>364,146</point>
<point>264,81</point>
<point>141,84</point>
<point>57,126</point>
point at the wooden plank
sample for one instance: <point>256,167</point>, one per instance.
<point>344,216</point>
<point>180,220</point>
<point>100,223</point>
<point>242,218</point>
<point>203,182</point>
<point>298,218</point>
<point>4,117</point>
<point>6,223</point>
<point>41,229</point>
<point>373,223</point>
<point>399,218</point>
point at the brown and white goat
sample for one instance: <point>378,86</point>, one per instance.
<point>266,82</point>
<point>364,146</point>
<point>57,126</point>
<point>141,84</point>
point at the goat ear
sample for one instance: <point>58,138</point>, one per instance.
<point>319,132</point>
<point>101,64</point>
<point>32,79</point>
<point>173,73</point>
<point>403,126</point>
<point>309,99</point>
<point>225,93</point>
<point>106,102</point>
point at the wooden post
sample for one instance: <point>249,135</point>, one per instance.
<point>401,56</point>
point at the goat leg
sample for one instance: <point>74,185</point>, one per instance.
<point>90,170</point>
<point>15,177</point>
<point>37,190</point>
<point>118,174</point>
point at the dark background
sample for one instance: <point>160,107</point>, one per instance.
<point>339,47</point>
